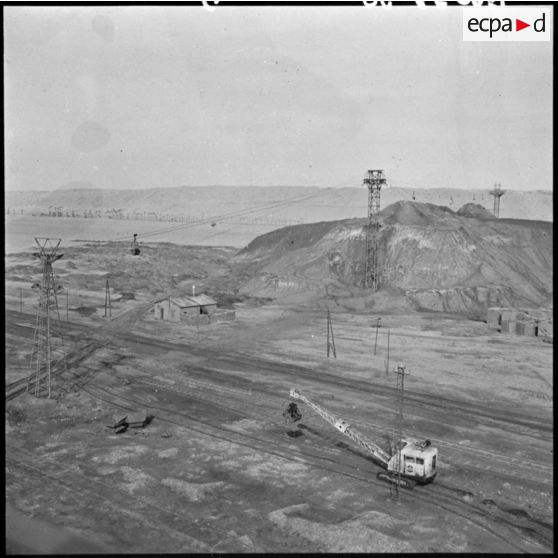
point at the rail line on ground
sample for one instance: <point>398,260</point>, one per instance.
<point>540,533</point>
<point>233,360</point>
<point>260,399</point>
<point>437,497</point>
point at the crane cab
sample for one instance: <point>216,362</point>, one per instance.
<point>418,460</point>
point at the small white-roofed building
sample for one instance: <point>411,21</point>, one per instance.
<point>173,309</point>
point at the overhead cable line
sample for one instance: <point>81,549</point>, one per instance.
<point>239,213</point>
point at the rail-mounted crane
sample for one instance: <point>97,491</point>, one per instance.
<point>412,461</point>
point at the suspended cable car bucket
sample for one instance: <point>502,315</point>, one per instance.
<point>134,249</point>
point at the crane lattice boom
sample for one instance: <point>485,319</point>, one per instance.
<point>344,427</point>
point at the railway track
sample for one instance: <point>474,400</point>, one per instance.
<point>467,410</point>
<point>470,411</point>
<point>18,387</point>
<point>263,400</point>
<point>440,496</point>
<point>517,466</point>
<point>265,408</point>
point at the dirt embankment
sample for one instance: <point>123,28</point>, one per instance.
<point>430,256</point>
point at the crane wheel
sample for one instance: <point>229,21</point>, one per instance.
<point>408,483</point>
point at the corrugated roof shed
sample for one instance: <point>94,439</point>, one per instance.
<point>189,301</point>
<point>184,302</point>
<point>203,300</point>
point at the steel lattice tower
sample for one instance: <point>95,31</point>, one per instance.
<point>44,354</point>
<point>497,192</point>
<point>374,180</point>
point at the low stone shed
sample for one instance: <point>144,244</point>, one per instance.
<point>522,321</point>
<point>191,310</point>
<point>173,309</point>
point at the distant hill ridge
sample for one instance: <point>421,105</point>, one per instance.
<point>300,203</point>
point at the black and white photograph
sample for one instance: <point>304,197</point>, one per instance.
<point>278,277</point>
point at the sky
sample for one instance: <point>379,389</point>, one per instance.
<point>160,96</point>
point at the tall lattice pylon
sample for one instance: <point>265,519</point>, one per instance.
<point>396,481</point>
<point>497,192</point>
<point>46,354</point>
<point>374,180</point>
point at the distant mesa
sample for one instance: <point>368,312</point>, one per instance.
<point>90,136</point>
<point>474,210</point>
<point>78,185</point>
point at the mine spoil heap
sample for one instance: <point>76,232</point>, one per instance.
<point>434,257</point>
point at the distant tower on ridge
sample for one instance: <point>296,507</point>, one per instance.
<point>497,192</point>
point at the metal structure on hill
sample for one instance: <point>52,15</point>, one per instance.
<point>387,361</point>
<point>378,320</point>
<point>330,338</point>
<point>108,306</point>
<point>497,192</point>
<point>374,180</point>
<point>46,354</point>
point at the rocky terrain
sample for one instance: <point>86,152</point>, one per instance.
<point>431,258</point>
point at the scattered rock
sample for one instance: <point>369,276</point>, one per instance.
<point>135,478</point>
<point>191,490</point>
<point>15,416</point>
<point>246,541</point>
<point>171,452</point>
<point>119,454</point>
<point>348,536</point>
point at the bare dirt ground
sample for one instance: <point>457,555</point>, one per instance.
<point>216,471</point>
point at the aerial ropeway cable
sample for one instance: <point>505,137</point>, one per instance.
<point>215,218</point>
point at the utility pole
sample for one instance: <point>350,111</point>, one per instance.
<point>67,303</point>
<point>20,299</point>
<point>377,327</point>
<point>330,338</point>
<point>497,192</point>
<point>387,363</point>
<point>43,353</point>
<point>107,301</point>
<point>396,479</point>
<point>374,180</point>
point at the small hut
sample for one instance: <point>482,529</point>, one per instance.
<point>173,309</point>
